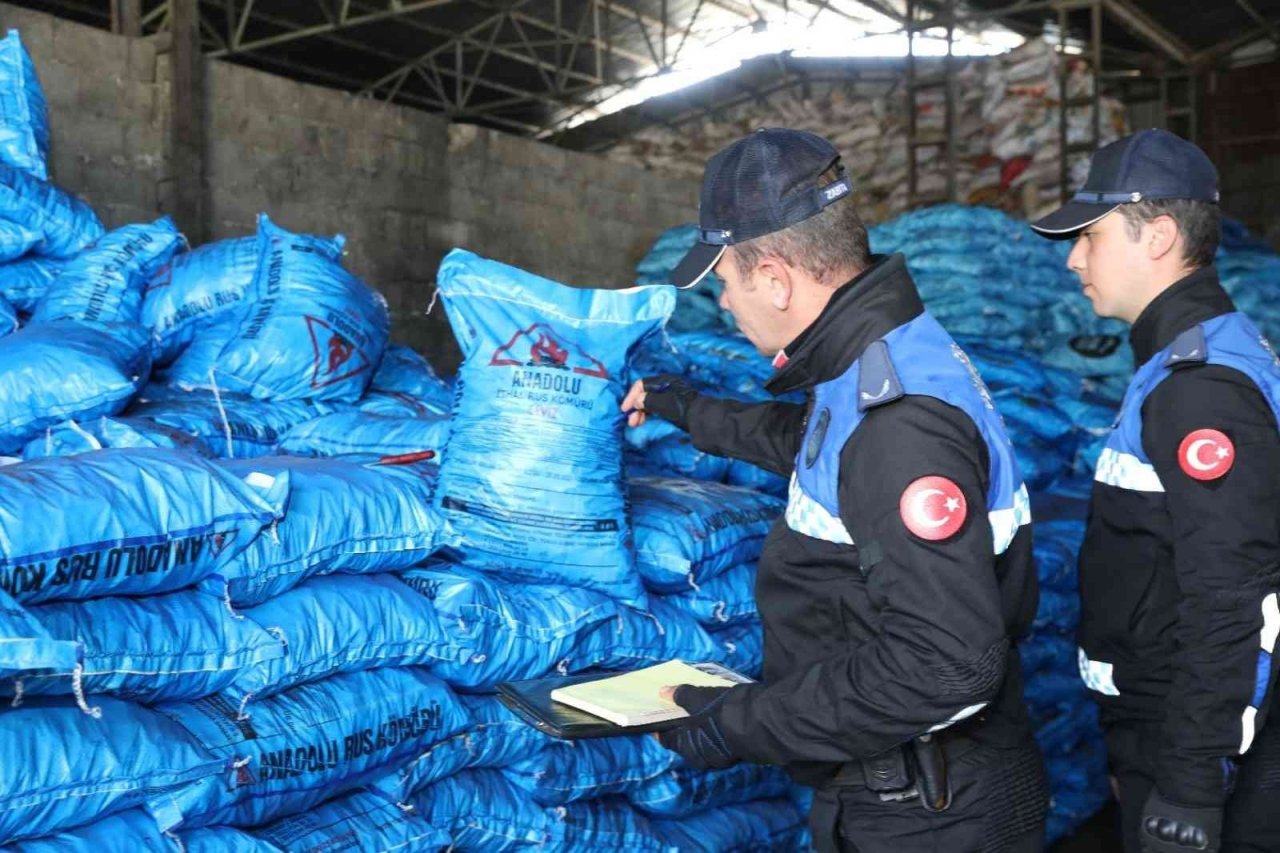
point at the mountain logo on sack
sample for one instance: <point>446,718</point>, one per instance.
<point>540,346</point>
<point>335,357</point>
<point>219,540</point>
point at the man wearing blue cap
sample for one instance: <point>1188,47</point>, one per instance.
<point>1180,567</point>
<point>895,588</point>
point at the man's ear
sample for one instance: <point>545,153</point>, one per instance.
<point>777,278</point>
<point>1161,236</point>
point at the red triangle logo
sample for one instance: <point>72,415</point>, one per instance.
<point>541,346</point>
<point>335,357</point>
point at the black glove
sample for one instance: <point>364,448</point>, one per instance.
<point>1170,828</point>
<point>699,740</point>
<point>669,396</point>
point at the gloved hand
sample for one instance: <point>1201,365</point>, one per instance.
<point>667,395</point>
<point>699,740</point>
<point>1167,827</point>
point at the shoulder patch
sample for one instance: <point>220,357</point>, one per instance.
<point>1188,348</point>
<point>1206,454</point>
<point>878,382</point>
<point>933,508</point>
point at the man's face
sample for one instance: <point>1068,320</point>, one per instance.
<point>750,301</point>
<point>1112,267</point>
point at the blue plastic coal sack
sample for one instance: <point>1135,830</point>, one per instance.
<point>66,224</point>
<point>494,737</point>
<point>512,631</point>
<point>62,767</point>
<point>776,824</point>
<point>676,456</point>
<point>221,839</point>
<point>688,532</point>
<point>232,426</point>
<point>310,329</point>
<point>126,832</point>
<point>726,599</point>
<point>58,371</point>
<point>485,812</point>
<point>741,647</point>
<point>70,438</point>
<point>25,281</point>
<point>743,473</point>
<point>344,516</point>
<point>104,283</point>
<point>24,113</point>
<point>182,645</point>
<point>187,295</point>
<point>683,791</point>
<point>341,623</point>
<point>633,640</point>
<point>404,371</point>
<point>8,318</point>
<point>126,522</point>
<point>315,741</point>
<point>15,240</point>
<point>566,771</point>
<point>607,823</point>
<point>361,822</point>
<point>362,432</point>
<point>531,485</point>
<point>27,646</point>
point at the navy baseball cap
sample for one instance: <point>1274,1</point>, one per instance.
<point>1148,165</point>
<point>760,184</point>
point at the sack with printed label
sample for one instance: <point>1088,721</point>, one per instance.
<point>359,431</point>
<point>511,631</point>
<point>726,599</point>
<point>70,438</point>
<point>125,832</point>
<point>405,371</point>
<point>103,284</point>
<point>186,295</point>
<point>566,771</point>
<point>485,812</point>
<point>359,821</point>
<point>183,645</point>
<point>66,224</point>
<point>531,485</point>
<point>776,824</point>
<point>61,767</point>
<point>24,113</point>
<point>609,823</point>
<point>341,624</point>
<point>494,737</point>
<point>683,791</point>
<point>308,329</point>
<point>634,640</point>
<point>344,517</point>
<point>308,744</point>
<point>25,281</point>
<point>675,456</point>
<point>54,372</point>
<point>126,522</point>
<point>26,646</point>
<point>689,532</point>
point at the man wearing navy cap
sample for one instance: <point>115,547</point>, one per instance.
<point>895,588</point>
<point>1180,567</point>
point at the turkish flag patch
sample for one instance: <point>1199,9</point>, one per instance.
<point>933,508</point>
<point>1206,454</point>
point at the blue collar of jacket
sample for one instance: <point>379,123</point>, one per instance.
<point>1191,300</point>
<point>880,299</point>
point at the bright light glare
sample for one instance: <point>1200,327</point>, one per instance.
<point>827,37</point>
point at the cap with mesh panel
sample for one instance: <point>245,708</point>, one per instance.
<point>762,183</point>
<point>1144,166</point>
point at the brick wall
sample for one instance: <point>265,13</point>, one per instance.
<point>404,186</point>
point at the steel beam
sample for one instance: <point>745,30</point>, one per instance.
<point>395,9</point>
<point>1143,25</point>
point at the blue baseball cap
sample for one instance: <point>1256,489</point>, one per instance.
<point>1148,165</point>
<point>760,184</point>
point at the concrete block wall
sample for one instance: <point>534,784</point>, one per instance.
<point>404,186</point>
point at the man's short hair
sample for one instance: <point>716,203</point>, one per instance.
<point>1199,223</point>
<point>831,241</point>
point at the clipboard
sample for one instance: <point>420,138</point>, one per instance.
<point>531,701</point>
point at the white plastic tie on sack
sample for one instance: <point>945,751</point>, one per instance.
<point>77,688</point>
<point>222,413</point>
<point>18,690</point>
